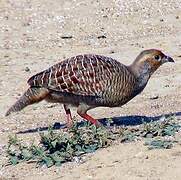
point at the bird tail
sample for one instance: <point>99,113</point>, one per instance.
<point>32,95</point>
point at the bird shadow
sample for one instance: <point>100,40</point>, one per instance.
<point>135,120</point>
<point>116,121</point>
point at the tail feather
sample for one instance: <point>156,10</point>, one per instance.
<point>32,95</point>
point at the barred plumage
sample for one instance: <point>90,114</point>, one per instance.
<point>88,81</point>
<point>76,74</point>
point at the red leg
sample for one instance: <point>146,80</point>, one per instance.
<point>89,118</point>
<point>69,116</point>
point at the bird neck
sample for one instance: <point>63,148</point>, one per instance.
<point>142,72</point>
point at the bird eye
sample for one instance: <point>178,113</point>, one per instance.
<point>157,57</point>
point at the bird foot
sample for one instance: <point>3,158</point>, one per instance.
<point>90,119</point>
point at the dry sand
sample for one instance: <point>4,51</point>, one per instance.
<point>31,39</point>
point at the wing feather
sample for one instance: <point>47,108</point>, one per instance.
<point>80,75</point>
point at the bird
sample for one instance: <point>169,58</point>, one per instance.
<point>88,81</point>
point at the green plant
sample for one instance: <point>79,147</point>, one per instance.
<point>57,147</point>
<point>159,144</point>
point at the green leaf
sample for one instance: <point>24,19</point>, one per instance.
<point>26,154</point>
<point>57,159</point>
<point>54,143</point>
<point>159,144</point>
<point>14,160</point>
<point>78,147</point>
<point>48,161</point>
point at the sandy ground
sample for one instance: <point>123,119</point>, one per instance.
<point>31,39</point>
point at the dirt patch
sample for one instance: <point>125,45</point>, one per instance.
<point>32,35</point>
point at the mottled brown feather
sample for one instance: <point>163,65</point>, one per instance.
<point>84,75</point>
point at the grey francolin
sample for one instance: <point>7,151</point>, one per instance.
<point>89,81</point>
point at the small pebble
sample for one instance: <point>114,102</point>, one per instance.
<point>27,69</point>
<point>101,37</point>
<point>99,166</point>
<point>77,159</point>
<point>6,17</point>
<point>149,135</point>
<point>67,37</point>
<point>154,97</point>
<point>112,51</point>
<point>146,157</point>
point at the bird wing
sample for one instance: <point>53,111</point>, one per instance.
<point>80,75</point>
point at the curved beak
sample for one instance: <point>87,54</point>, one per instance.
<point>167,59</point>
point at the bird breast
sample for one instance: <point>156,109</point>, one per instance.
<point>121,88</point>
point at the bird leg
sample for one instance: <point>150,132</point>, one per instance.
<point>89,118</point>
<point>69,116</point>
<point>82,111</point>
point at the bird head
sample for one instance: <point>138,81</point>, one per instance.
<point>148,61</point>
